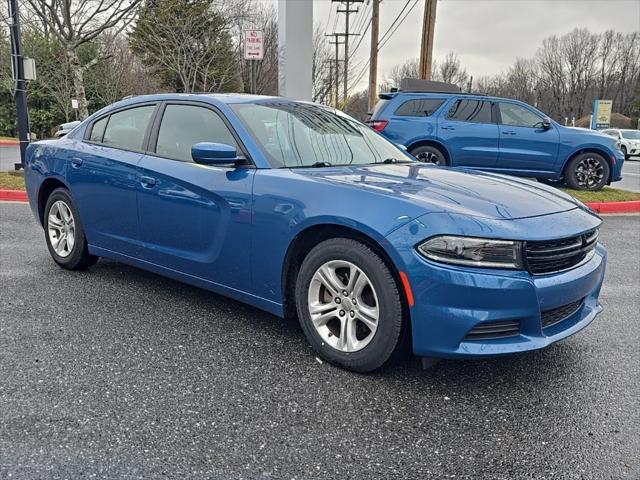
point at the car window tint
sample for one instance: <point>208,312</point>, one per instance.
<point>380,104</point>
<point>475,111</point>
<point>183,126</point>
<point>98,130</point>
<point>517,116</point>
<point>126,129</point>
<point>419,108</point>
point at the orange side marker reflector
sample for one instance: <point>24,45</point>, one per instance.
<point>407,288</point>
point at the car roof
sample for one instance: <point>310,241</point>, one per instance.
<point>214,97</point>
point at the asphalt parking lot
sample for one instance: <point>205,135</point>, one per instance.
<point>119,373</point>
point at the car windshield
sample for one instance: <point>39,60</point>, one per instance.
<point>307,135</point>
<point>631,134</point>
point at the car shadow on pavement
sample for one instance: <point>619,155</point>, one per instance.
<point>228,317</point>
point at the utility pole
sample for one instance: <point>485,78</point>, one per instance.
<point>373,65</point>
<point>20,84</point>
<point>347,12</point>
<point>336,71</point>
<point>426,45</point>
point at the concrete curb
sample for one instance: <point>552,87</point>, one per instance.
<point>13,196</point>
<point>615,207</point>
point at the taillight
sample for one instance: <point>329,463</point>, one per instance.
<point>378,125</point>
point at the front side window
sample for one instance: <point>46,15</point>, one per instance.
<point>183,126</point>
<point>126,129</point>
<point>517,116</point>
<point>474,111</point>
<point>302,135</point>
<point>419,108</point>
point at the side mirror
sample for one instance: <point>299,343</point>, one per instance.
<point>546,123</point>
<point>208,153</point>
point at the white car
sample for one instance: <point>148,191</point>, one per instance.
<point>65,128</point>
<point>629,141</point>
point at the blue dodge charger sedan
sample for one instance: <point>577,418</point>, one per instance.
<point>499,135</point>
<point>300,210</point>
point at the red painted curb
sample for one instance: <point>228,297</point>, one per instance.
<point>13,196</point>
<point>615,207</point>
<point>9,142</point>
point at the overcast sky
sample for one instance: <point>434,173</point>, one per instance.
<point>487,35</point>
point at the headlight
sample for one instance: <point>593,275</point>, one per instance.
<point>473,252</point>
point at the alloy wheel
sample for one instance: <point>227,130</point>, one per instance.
<point>428,157</point>
<point>61,228</point>
<point>343,306</point>
<point>589,172</point>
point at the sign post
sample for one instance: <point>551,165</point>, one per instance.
<point>253,51</point>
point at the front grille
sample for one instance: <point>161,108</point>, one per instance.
<point>550,256</point>
<point>499,329</point>
<point>558,314</point>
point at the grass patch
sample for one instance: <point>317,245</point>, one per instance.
<point>12,180</point>
<point>607,194</point>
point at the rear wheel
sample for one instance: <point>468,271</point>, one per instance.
<point>349,305</point>
<point>64,233</point>
<point>587,171</point>
<point>429,154</point>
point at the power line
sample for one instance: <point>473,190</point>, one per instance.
<point>382,43</point>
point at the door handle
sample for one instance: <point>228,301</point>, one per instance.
<point>509,132</point>
<point>76,162</point>
<point>147,181</point>
<point>447,127</point>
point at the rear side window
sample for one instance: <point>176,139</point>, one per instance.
<point>126,129</point>
<point>97,131</point>
<point>419,108</point>
<point>185,125</point>
<point>475,111</point>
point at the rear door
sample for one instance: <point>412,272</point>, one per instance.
<point>470,133</point>
<point>104,179</point>
<point>195,219</point>
<point>413,119</point>
<point>524,143</point>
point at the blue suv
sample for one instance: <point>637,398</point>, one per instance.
<point>496,134</point>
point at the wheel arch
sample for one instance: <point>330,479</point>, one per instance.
<point>597,150</point>
<point>431,143</point>
<point>45,190</point>
<point>311,236</point>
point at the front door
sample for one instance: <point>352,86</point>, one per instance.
<point>104,176</point>
<point>470,133</point>
<point>195,219</point>
<point>524,143</point>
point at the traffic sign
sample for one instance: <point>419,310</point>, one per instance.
<point>253,45</point>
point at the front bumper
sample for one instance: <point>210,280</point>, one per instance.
<point>450,301</point>
<point>458,300</point>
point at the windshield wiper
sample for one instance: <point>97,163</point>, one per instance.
<point>395,160</point>
<point>320,164</point>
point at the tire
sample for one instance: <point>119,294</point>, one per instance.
<point>429,154</point>
<point>624,152</point>
<point>587,171</point>
<point>61,219</point>
<point>366,349</point>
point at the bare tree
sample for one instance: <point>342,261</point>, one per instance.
<point>76,22</point>
<point>450,70</point>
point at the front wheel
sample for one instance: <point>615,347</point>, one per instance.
<point>624,152</point>
<point>587,171</point>
<point>64,233</point>
<point>349,305</point>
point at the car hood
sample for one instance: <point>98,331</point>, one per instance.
<point>453,190</point>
